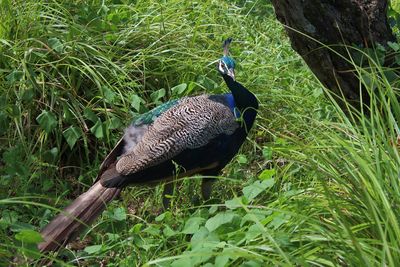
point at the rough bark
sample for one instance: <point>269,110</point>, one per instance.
<point>333,23</point>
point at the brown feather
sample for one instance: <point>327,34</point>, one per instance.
<point>73,219</point>
<point>85,209</point>
<point>111,158</point>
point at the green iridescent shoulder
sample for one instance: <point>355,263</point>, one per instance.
<point>150,116</point>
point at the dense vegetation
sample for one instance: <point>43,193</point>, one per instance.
<point>312,186</point>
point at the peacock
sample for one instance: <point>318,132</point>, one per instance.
<point>201,134</point>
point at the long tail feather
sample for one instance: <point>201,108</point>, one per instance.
<point>73,219</point>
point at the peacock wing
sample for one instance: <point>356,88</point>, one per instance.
<point>133,134</point>
<point>191,124</point>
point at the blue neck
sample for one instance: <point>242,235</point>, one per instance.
<point>244,100</point>
<point>232,105</point>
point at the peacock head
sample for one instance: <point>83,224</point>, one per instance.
<point>226,64</point>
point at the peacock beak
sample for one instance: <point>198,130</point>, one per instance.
<point>231,73</point>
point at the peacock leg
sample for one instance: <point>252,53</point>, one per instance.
<point>206,188</point>
<point>206,184</point>
<point>168,191</point>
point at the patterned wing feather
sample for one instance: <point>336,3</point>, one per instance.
<point>133,134</point>
<point>111,158</point>
<point>190,124</point>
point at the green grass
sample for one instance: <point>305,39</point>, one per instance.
<point>311,187</point>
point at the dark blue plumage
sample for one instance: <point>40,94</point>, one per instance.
<point>232,105</point>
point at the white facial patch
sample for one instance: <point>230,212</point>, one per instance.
<point>222,67</point>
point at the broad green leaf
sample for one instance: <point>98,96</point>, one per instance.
<point>28,95</point>
<point>15,76</point>
<point>165,216</point>
<point>8,218</point>
<point>56,45</point>
<point>182,262</point>
<point>242,159</point>
<point>97,129</point>
<point>50,155</point>
<point>153,230</point>
<point>179,89</point>
<point>29,236</point>
<point>207,83</point>
<point>267,153</point>
<point>67,114</point>
<point>15,162</point>
<point>213,209</point>
<point>253,232</point>
<point>168,232</point>
<point>71,135</point>
<point>192,225</point>
<point>252,263</point>
<point>191,87</point>
<point>391,76</point>
<point>267,174</point>
<point>200,235</point>
<point>135,102</point>
<point>234,203</point>
<point>282,238</point>
<point>395,4</point>
<point>21,226</point>
<point>221,260</point>
<point>255,215</point>
<point>253,190</point>
<point>93,249</point>
<point>157,95</point>
<point>119,214</point>
<point>279,219</point>
<point>221,218</point>
<point>160,217</point>
<point>113,123</point>
<point>203,237</point>
<point>90,115</point>
<point>136,228</point>
<point>109,95</point>
<point>202,254</point>
<point>47,121</point>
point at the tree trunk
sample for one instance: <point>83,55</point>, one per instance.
<point>313,25</point>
